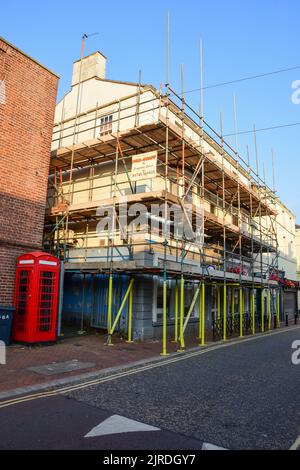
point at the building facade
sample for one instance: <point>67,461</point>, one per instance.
<point>297,242</point>
<point>287,258</point>
<point>154,214</point>
<point>286,236</point>
<point>27,105</point>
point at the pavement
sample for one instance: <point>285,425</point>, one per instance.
<point>20,374</point>
<point>234,395</point>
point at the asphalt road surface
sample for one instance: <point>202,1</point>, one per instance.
<point>241,396</point>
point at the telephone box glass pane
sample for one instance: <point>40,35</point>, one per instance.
<point>22,299</point>
<point>46,298</point>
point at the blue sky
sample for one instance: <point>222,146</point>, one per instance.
<point>240,39</point>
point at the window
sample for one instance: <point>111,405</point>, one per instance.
<point>157,311</point>
<point>189,293</point>
<point>159,304</point>
<point>106,125</point>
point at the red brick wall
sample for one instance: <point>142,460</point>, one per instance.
<point>27,108</point>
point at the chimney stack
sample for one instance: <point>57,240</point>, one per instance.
<point>93,65</point>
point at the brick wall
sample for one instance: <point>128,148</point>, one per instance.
<point>27,104</point>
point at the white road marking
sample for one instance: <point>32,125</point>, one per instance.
<point>296,444</point>
<point>208,446</point>
<point>117,424</point>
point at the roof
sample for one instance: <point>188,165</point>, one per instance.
<point>37,254</point>
<point>120,82</point>
<point>124,82</point>
<point>28,56</point>
<point>142,85</point>
<point>89,55</point>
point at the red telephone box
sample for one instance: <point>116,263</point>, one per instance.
<point>36,298</point>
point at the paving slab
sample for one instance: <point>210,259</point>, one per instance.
<point>23,362</point>
<point>61,367</point>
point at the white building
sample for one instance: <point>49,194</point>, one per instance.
<point>287,256</point>
<point>286,237</point>
<point>101,126</point>
<point>297,237</point>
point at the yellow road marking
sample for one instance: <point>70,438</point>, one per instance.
<point>137,370</point>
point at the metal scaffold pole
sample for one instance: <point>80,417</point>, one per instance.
<point>252,309</point>
<point>129,334</point>
<point>233,308</point>
<point>224,236</point>
<point>112,237</point>
<point>165,306</point>
<point>262,313</point>
<point>218,303</point>
<point>202,338</point>
<point>181,333</point>
<point>200,310</point>
<point>176,304</point>
<point>269,309</point>
<point>224,312</point>
<point>182,281</point>
<point>127,295</point>
<point>164,335</point>
<point>241,305</point>
<point>109,308</point>
<point>278,308</point>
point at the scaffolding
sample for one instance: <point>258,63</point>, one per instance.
<point>236,252</point>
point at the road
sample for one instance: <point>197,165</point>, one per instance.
<point>241,395</point>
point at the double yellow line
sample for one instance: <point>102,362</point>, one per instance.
<point>137,370</point>
<point>101,380</point>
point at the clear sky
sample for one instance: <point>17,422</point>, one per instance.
<point>240,39</point>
